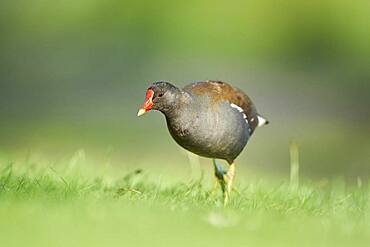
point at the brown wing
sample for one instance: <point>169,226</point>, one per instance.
<point>219,91</point>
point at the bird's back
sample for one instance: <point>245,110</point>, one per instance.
<point>215,122</point>
<point>222,91</point>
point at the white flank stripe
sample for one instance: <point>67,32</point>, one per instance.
<point>237,107</point>
<point>240,110</point>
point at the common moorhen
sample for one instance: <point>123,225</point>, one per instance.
<point>209,118</point>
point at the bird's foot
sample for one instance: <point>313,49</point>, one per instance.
<point>236,190</point>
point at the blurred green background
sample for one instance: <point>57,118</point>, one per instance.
<point>73,73</point>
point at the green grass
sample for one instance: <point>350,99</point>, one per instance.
<point>46,205</point>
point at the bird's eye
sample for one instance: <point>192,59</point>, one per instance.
<point>160,95</point>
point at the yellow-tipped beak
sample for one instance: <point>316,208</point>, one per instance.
<point>141,112</point>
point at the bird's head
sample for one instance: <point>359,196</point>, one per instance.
<point>160,96</point>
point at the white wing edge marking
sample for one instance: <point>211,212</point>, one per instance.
<point>240,110</point>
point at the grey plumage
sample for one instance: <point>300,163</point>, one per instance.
<point>203,119</point>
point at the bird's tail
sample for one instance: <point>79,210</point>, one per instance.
<point>262,121</point>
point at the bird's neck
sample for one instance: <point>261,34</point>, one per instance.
<point>183,99</point>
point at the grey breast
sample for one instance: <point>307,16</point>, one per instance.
<point>215,131</point>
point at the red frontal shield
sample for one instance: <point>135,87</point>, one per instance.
<point>148,102</point>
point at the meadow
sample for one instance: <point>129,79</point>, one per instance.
<point>74,205</point>
<point>78,168</point>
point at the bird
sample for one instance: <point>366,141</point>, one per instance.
<point>210,118</point>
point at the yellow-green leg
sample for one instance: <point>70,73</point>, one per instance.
<point>224,179</point>
<point>219,177</point>
<point>229,179</point>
